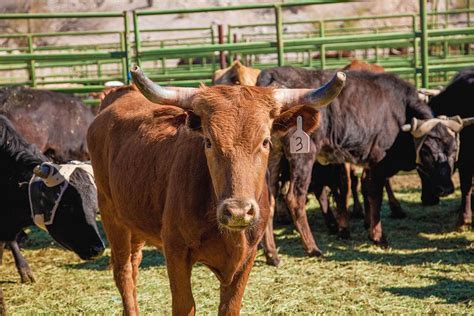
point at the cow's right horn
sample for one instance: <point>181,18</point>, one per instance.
<point>42,171</point>
<point>468,121</point>
<point>157,94</point>
<point>316,98</point>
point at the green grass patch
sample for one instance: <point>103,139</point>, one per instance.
<point>428,269</point>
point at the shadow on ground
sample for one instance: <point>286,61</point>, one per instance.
<point>450,291</point>
<point>151,258</point>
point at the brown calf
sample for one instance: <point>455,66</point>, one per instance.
<point>236,74</point>
<point>190,179</point>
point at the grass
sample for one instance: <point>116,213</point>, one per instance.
<point>428,269</point>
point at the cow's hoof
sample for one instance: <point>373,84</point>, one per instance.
<point>344,234</point>
<point>26,275</point>
<point>464,227</point>
<point>382,242</point>
<point>397,212</point>
<point>315,253</point>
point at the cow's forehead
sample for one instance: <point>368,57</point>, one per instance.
<point>224,100</point>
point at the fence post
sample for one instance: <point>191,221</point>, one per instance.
<point>416,50</point>
<point>32,62</point>
<point>322,50</point>
<point>229,40</point>
<point>424,46</point>
<point>220,32</point>
<point>137,38</point>
<point>213,41</point>
<point>279,34</point>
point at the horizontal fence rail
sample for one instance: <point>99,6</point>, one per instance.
<point>425,48</point>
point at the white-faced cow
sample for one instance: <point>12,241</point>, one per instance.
<point>61,199</point>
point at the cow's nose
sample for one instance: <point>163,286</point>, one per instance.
<point>238,213</point>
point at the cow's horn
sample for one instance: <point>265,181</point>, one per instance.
<point>454,123</point>
<point>41,171</point>
<point>157,94</point>
<point>406,128</point>
<point>468,121</point>
<point>423,127</point>
<point>316,98</point>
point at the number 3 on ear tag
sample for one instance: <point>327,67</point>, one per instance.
<point>299,141</point>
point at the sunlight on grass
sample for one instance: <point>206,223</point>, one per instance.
<point>428,269</point>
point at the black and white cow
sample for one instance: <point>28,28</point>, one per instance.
<point>61,199</point>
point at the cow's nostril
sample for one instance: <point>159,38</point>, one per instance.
<point>227,213</point>
<point>251,211</point>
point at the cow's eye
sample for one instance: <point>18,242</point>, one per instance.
<point>266,142</point>
<point>208,143</point>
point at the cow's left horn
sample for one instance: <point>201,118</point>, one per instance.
<point>42,171</point>
<point>155,93</point>
<point>316,98</point>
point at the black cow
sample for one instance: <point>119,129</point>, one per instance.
<point>457,99</point>
<point>363,126</point>
<point>55,122</point>
<point>60,198</point>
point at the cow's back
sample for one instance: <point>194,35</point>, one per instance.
<point>140,152</point>
<point>57,123</point>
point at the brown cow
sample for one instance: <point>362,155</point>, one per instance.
<point>360,65</point>
<point>190,179</point>
<point>236,74</point>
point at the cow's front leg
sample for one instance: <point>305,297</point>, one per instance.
<point>300,178</point>
<point>396,210</point>
<point>121,252</point>
<point>22,266</point>
<point>375,184</point>
<point>357,210</point>
<point>232,294</point>
<point>179,266</point>
<point>342,193</point>
<point>466,173</point>
<point>322,195</point>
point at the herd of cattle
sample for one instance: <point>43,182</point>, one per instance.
<point>199,172</point>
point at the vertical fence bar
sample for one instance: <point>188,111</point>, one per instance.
<point>123,47</point>
<point>136,31</point>
<point>229,40</point>
<point>127,47</point>
<point>279,34</point>
<point>220,32</point>
<point>469,6</point>
<point>32,62</point>
<point>163,60</point>
<point>416,50</point>
<point>322,50</point>
<point>213,41</point>
<point>424,46</point>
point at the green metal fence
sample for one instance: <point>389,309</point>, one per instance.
<point>432,47</point>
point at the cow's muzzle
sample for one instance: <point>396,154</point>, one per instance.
<point>238,214</point>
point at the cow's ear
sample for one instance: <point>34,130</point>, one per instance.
<point>287,119</point>
<point>193,121</point>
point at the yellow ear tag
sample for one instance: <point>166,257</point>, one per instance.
<point>299,141</point>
